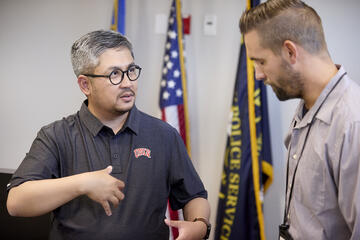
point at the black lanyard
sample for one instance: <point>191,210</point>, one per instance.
<point>287,206</point>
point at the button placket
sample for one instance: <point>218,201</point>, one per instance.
<point>115,156</point>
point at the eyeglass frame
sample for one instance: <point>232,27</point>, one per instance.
<point>122,76</point>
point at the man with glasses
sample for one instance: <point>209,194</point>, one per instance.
<point>108,171</point>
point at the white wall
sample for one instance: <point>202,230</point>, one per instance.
<point>37,81</point>
<point>38,85</point>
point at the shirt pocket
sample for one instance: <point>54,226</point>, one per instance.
<point>310,185</point>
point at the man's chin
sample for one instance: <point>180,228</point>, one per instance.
<point>281,95</point>
<point>124,109</point>
<point>283,98</point>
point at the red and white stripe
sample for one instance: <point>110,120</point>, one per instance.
<point>174,115</point>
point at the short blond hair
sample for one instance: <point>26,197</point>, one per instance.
<point>280,20</point>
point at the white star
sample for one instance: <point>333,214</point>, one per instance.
<point>171,20</point>
<point>169,65</point>
<point>166,95</point>
<point>166,58</point>
<point>171,84</point>
<point>178,92</point>
<point>168,45</point>
<point>174,54</point>
<point>165,70</point>
<point>163,83</point>
<point>176,73</point>
<point>172,34</point>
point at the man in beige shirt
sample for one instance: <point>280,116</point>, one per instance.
<point>285,39</point>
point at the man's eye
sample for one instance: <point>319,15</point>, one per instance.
<point>115,73</point>
<point>132,69</point>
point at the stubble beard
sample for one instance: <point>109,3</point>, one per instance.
<point>291,84</point>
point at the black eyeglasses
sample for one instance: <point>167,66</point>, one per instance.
<point>117,75</point>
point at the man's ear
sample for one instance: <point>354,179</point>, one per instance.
<point>84,84</point>
<point>290,51</point>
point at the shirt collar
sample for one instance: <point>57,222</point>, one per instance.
<point>315,111</point>
<point>91,122</point>
<point>132,122</point>
<point>95,125</point>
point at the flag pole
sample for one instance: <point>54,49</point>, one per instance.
<point>183,74</point>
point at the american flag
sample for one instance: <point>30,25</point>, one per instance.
<point>173,98</point>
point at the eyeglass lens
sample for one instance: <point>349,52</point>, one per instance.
<point>117,75</point>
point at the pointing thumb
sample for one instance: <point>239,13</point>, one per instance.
<point>109,169</point>
<point>171,223</point>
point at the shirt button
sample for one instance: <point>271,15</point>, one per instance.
<point>294,156</point>
<point>116,155</point>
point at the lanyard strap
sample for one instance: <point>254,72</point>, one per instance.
<point>287,206</point>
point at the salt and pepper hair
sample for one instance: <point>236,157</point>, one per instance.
<point>278,20</point>
<point>85,52</point>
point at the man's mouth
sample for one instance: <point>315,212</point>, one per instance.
<point>127,96</point>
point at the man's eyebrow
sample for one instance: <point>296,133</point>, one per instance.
<point>117,67</point>
<point>256,59</point>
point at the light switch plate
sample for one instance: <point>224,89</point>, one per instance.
<point>210,22</point>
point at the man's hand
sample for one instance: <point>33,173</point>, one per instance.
<point>188,230</point>
<point>101,187</point>
<point>37,197</point>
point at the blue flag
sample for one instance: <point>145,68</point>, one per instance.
<point>118,17</point>
<point>247,169</point>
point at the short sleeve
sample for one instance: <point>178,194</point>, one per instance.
<point>39,163</point>
<point>185,183</point>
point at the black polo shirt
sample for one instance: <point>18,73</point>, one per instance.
<point>147,154</point>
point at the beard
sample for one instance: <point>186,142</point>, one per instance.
<point>290,83</point>
<point>281,94</point>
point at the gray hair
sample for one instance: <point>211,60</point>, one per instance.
<point>86,50</point>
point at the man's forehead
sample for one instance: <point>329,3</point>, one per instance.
<point>254,47</point>
<point>112,58</point>
<point>251,39</point>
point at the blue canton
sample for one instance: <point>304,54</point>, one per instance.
<point>171,92</point>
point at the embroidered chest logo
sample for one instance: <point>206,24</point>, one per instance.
<point>142,152</point>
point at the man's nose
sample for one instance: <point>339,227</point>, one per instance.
<point>259,75</point>
<point>126,81</point>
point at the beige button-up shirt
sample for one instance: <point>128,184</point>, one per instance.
<point>325,201</point>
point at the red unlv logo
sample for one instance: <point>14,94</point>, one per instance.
<point>142,152</point>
